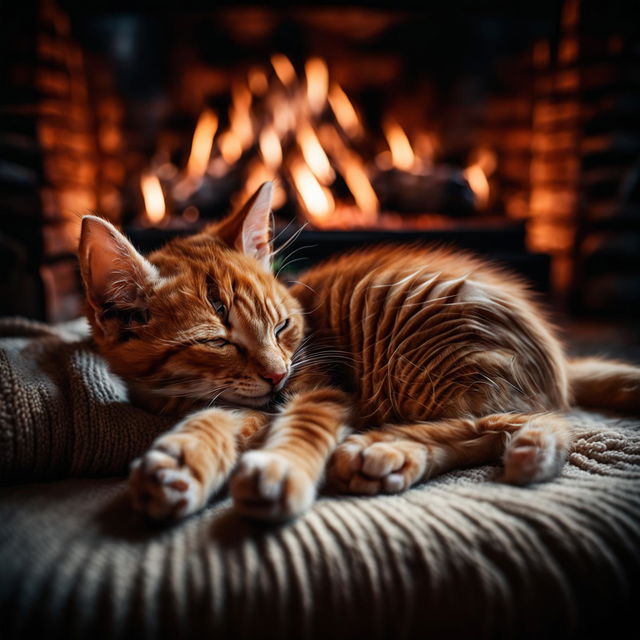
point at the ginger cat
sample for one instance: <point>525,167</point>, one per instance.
<point>383,367</point>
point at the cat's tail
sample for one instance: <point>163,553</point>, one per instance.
<point>605,384</point>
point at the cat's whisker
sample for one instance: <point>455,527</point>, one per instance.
<point>288,264</point>
<point>293,253</point>
<point>293,238</point>
<point>281,232</point>
<point>303,284</point>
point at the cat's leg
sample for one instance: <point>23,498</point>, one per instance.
<point>533,448</point>
<point>186,465</point>
<point>279,480</point>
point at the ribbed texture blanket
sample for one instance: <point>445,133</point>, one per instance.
<point>461,556</point>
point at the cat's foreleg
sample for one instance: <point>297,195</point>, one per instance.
<point>280,480</point>
<point>391,459</point>
<point>186,465</point>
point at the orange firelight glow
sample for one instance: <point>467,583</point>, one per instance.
<point>354,173</point>
<point>314,154</point>
<point>283,68</point>
<point>317,200</point>
<point>270,148</point>
<point>202,143</point>
<point>479,184</point>
<point>344,112</point>
<point>153,198</point>
<point>230,147</point>
<point>317,75</point>
<point>401,152</point>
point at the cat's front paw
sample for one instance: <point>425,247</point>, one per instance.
<point>366,466</point>
<point>162,486</point>
<point>267,486</point>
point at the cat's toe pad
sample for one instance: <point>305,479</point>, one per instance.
<point>532,456</point>
<point>162,488</point>
<point>361,467</point>
<point>267,486</point>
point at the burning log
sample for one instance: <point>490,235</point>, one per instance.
<point>444,190</point>
<point>304,132</point>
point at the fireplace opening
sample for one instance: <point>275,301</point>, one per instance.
<point>509,131</point>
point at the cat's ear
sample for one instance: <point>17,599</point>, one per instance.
<point>115,275</point>
<point>249,229</point>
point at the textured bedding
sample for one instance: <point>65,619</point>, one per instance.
<point>460,556</point>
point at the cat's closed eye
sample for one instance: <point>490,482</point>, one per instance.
<point>212,293</point>
<point>219,308</point>
<point>281,327</point>
<point>214,342</point>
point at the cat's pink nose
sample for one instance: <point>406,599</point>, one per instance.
<point>274,376</point>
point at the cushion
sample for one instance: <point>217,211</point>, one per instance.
<point>62,413</point>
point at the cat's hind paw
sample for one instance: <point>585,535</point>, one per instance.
<point>365,467</point>
<point>533,455</point>
<point>267,486</point>
<point>162,487</point>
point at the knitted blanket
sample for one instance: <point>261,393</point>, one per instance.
<point>460,556</point>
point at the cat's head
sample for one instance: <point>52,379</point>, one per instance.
<point>201,318</point>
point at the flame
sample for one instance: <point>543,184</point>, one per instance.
<point>344,112</point>
<point>479,184</point>
<point>283,68</point>
<point>241,96</point>
<point>257,80</point>
<point>257,174</point>
<point>270,148</point>
<point>358,182</point>
<point>354,173</point>
<point>486,160</point>
<point>314,154</point>
<point>240,123</point>
<point>230,147</point>
<point>425,147</point>
<point>317,75</point>
<point>401,152</point>
<point>283,116</point>
<point>153,197</point>
<point>202,143</point>
<point>317,201</point>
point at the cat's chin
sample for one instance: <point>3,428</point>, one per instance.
<point>254,402</point>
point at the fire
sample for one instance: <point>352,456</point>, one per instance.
<point>300,133</point>
<point>284,69</point>
<point>230,147</point>
<point>257,80</point>
<point>270,148</point>
<point>487,161</point>
<point>202,144</point>
<point>283,115</point>
<point>479,184</point>
<point>317,75</point>
<point>344,111</point>
<point>258,173</point>
<point>317,201</point>
<point>354,173</point>
<point>240,124</point>
<point>402,155</point>
<point>358,182</point>
<point>153,198</point>
<point>425,147</point>
<point>314,154</point>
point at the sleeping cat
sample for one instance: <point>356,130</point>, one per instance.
<point>376,371</point>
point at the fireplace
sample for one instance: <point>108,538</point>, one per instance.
<point>508,131</point>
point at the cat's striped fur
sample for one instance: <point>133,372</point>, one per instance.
<point>415,361</point>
